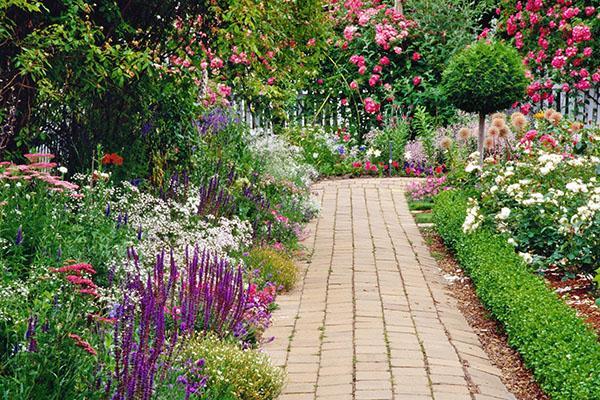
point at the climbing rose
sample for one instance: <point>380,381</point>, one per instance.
<point>371,106</point>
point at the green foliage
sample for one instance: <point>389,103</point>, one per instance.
<point>485,77</point>
<point>317,149</point>
<point>234,373</point>
<point>423,218</point>
<point>273,266</point>
<point>445,27</point>
<point>562,351</point>
<point>420,205</point>
<point>394,138</point>
<point>55,228</point>
<point>424,126</point>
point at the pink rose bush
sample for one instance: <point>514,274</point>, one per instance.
<point>557,39</point>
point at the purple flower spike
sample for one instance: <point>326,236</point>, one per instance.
<point>19,238</point>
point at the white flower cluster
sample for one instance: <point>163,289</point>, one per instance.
<point>559,191</point>
<point>474,217</point>
<point>473,162</point>
<point>167,224</point>
<point>281,160</point>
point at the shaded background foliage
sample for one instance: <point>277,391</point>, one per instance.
<point>76,73</point>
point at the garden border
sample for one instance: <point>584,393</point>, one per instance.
<point>562,352</point>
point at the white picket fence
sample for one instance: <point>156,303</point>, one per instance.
<point>581,106</point>
<point>328,112</point>
<point>319,110</point>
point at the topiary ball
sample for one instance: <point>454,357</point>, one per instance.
<point>485,77</point>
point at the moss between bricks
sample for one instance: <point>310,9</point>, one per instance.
<point>562,352</point>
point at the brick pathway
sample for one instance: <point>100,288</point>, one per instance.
<point>371,318</point>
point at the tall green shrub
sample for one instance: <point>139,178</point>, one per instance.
<point>483,78</point>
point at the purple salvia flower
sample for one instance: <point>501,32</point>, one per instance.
<point>19,237</point>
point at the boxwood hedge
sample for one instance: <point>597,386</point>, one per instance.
<point>562,352</point>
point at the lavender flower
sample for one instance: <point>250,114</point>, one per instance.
<point>107,210</point>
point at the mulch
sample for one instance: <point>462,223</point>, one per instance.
<point>518,379</point>
<point>577,292</point>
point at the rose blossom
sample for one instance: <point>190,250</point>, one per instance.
<point>371,106</point>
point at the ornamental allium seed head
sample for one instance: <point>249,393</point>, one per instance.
<point>555,118</point>
<point>488,143</point>
<point>498,123</point>
<point>464,133</point>
<point>445,143</point>
<point>493,131</point>
<point>499,115</point>
<point>548,113</point>
<point>504,132</point>
<point>519,120</point>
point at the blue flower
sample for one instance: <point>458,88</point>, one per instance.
<point>341,149</point>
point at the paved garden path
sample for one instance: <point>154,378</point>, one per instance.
<point>370,318</point>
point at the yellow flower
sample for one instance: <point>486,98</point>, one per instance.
<point>538,115</point>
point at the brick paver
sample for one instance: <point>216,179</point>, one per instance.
<point>371,317</point>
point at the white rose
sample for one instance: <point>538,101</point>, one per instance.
<point>504,213</point>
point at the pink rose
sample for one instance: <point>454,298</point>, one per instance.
<point>416,56</point>
<point>587,52</point>
<point>353,85</point>
<point>417,80</point>
<point>362,69</point>
<point>581,33</point>
<point>271,81</point>
<point>377,69</point>
<point>558,62</point>
<point>384,61</point>
<point>373,80</point>
<point>371,106</point>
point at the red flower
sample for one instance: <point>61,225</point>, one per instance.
<point>82,343</point>
<point>416,56</point>
<point>112,158</point>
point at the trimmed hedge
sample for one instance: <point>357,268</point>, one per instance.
<point>562,352</point>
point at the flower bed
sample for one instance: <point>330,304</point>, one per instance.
<point>560,349</point>
<point>111,282</point>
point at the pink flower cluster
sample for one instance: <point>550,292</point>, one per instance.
<point>37,170</point>
<point>554,38</point>
<point>75,277</point>
<point>427,189</point>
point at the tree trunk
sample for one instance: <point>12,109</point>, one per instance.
<point>398,5</point>
<point>480,142</point>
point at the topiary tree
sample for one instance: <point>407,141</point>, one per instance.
<point>485,77</point>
